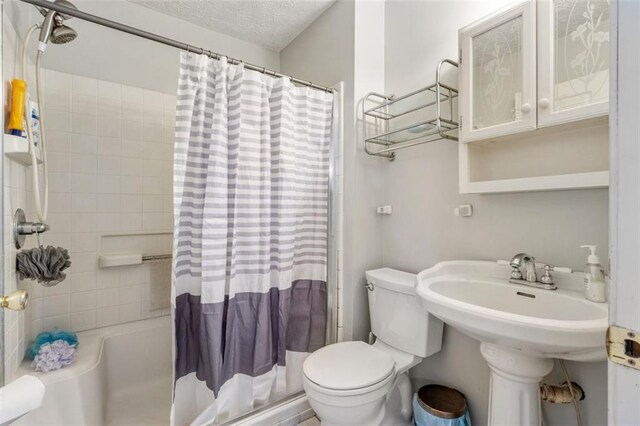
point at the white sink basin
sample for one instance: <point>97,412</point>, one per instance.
<point>521,328</point>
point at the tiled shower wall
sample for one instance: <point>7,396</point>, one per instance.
<point>110,152</point>
<point>110,157</point>
<point>16,324</point>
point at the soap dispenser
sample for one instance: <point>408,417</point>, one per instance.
<point>594,280</point>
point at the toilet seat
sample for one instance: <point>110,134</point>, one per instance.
<point>349,368</point>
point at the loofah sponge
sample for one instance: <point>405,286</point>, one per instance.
<point>44,264</point>
<point>47,337</point>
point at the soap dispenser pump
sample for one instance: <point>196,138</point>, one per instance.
<point>594,279</point>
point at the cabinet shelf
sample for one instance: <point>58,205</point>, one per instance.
<point>424,115</point>
<point>588,180</point>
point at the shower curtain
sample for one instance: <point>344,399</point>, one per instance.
<point>250,245</point>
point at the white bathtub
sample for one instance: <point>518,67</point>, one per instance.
<point>122,376</point>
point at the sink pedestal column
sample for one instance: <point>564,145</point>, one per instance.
<point>515,380</point>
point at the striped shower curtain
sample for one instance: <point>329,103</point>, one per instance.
<point>250,245</point>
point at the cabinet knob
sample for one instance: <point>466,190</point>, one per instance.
<point>525,108</point>
<point>544,103</point>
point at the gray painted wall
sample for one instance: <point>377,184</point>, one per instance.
<point>422,187</point>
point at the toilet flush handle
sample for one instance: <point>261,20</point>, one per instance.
<point>369,286</point>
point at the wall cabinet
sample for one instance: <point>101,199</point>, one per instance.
<point>535,64</point>
<point>497,74</point>
<point>573,60</point>
<point>534,97</point>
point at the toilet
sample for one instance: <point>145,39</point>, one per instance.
<point>353,383</point>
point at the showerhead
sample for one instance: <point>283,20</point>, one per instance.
<point>53,27</point>
<point>63,35</point>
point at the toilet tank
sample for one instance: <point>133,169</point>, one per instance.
<point>396,315</point>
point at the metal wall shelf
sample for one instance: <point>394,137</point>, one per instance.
<point>428,114</point>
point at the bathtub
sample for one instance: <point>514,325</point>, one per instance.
<point>122,376</point>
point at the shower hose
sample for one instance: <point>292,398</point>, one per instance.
<point>40,205</point>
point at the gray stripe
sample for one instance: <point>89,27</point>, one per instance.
<point>249,333</point>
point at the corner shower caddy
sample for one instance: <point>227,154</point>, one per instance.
<point>412,119</point>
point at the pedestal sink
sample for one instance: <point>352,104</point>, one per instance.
<point>521,328</point>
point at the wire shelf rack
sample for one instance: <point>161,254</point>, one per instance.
<point>425,115</point>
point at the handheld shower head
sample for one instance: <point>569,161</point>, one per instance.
<point>53,27</point>
<point>63,34</point>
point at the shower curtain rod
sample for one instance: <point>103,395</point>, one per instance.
<point>163,40</point>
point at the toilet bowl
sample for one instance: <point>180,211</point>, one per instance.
<point>353,383</point>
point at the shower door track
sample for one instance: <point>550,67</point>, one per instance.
<point>164,40</point>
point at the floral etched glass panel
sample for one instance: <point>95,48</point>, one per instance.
<point>497,75</point>
<point>581,45</point>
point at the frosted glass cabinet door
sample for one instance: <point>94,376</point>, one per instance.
<point>498,74</point>
<point>573,60</point>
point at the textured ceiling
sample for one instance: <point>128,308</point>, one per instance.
<point>268,23</point>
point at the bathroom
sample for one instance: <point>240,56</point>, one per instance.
<point>116,178</point>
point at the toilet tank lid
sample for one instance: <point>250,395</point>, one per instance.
<point>392,279</point>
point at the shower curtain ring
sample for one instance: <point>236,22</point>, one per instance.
<point>188,49</point>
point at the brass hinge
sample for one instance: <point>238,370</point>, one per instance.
<point>623,346</point>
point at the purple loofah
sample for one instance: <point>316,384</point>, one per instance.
<point>53,356</point>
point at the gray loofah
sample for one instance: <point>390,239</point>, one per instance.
<point>43,264</point>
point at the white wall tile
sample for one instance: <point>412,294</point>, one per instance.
<point>131,129</point>
<point>57,120</point>
<point>108,184</point>
<point>109,90</point>
<point>83,301</point>
<point>58,182</point>
<point>84,242</point>
<point>109,165</point>
<point>132,166</point>
<point>83,223</point>
<point>83,281</point>
<point>132,95</point>
<point>83,203</point>
<point>83,144</point>
<point>107,316</point>
<point>110,126</point>
<point>131,148</point>
<point>83,183</point>
<point>109,203</point>
<point>108,144</point>
<point>58,99</point>
<point>84,123</point>
<point>84,104</point>
<point>54,80</point>
<point>152,203</point>
<point>131,203</point>
<point>84,86</point>
<point>131,185</point>
<point>82,163</point>
<point>130,312</point>
<point>56,305</point>
<point>83,320</point>
<point>131,112</point>
<point>153,99</point>
<point>58,141</point>
<point>60,321</point>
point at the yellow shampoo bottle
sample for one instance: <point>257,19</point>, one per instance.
<point>18,100</point>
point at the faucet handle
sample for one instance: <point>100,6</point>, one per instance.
<point>546,277</point>
<point>516,273</point>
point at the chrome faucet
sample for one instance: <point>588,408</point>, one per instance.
<point>530,278</point>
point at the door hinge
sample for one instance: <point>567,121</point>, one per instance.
<point>623,346</point>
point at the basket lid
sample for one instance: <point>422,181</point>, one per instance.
<point>442,402</point>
